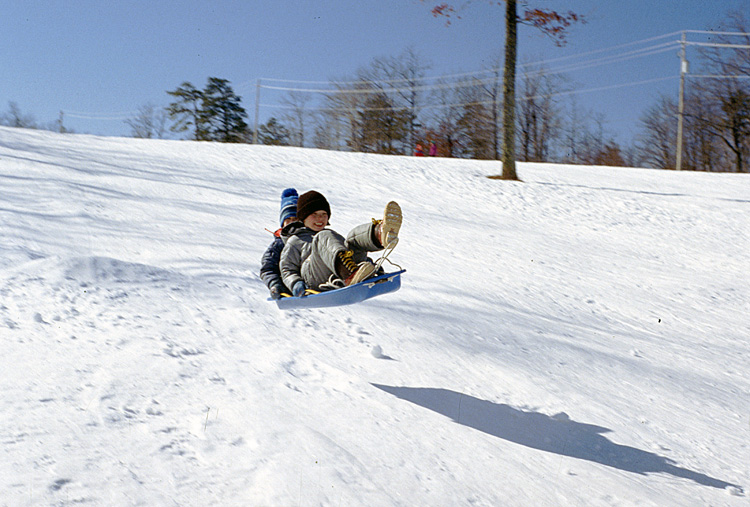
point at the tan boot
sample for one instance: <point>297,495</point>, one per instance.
<point>390,225</point>
<point>366,270</point>
<point>345,265</point>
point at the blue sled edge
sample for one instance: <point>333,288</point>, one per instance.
<point>370,288</point>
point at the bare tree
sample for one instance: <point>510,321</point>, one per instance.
<point>478,123</point>
<point>658,133</point>
<point>297,116</point>
<point>383,125</point>
<point>149,123</point>
<point>549,22</point>
<point>572,132</point>
<point>410,68</point>
<point>727,115</point>
<point>445,116</point>
<point>338,124</point>
<point>399,78</point>
<point>492,92</point>
<point>368,112</point>
<point>327,131</point>
<point>594,140</point>
<point>539,122</point>
<point>701,149</point>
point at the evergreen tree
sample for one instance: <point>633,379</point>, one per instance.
<point>15,118</point>
<point>222,113</point>
<point>214,113</point>
<point>273,133</point>
<point>185,111</point>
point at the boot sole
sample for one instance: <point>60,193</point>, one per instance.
<point>391,224</point>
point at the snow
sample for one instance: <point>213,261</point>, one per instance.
<point>577,339</point>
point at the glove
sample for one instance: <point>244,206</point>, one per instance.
<point>275,292</point>
<point>299,289</point>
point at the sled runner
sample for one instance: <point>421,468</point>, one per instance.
<point>370,288</point>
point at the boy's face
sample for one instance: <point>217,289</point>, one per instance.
<point>289,221</point>
<point>317,221</point>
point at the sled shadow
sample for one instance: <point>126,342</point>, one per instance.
<point>557,434</point>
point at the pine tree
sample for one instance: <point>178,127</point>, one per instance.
<point>222,113</point>
<point>185,111</point>
<point>273,133</point>
<point>214,113</point>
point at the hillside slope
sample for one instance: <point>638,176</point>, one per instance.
<point>577,339</point>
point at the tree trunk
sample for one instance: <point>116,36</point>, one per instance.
<point>509,93</point>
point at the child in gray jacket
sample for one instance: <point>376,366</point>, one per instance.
<point>318,258</point>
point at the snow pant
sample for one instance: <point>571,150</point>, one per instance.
<point>321,264</point>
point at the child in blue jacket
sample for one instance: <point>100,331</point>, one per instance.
<point>269,270</point>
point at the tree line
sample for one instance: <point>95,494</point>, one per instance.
<point>384,107</point>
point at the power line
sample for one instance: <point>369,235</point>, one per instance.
<point>377,81</point>
<point>364,91</point>
<point>462,84</point>
<point>712,76</point>
<point>661,48</point>
<point>443,82</point>
<point>717,45</point>
<point>479,102</point>
<point>101,116</point>
<point>709,32</point>
<point>491,70</point>
<point>604,50</point>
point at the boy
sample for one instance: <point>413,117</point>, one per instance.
<point>269,270</point>
<point>318,258</point>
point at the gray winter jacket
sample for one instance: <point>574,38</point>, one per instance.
<point>311,256</point>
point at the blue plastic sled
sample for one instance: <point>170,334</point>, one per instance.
<point>383,284</point>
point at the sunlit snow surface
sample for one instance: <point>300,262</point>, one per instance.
<point>582,338</point>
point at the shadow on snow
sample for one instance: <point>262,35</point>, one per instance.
<point>558,434</point>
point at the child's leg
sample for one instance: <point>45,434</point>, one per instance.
<point>363,239</point>
<point>321,263</point>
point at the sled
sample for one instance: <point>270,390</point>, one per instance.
<point>370,288</point>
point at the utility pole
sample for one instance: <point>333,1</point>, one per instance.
<point>257,110</point>
<point>681,106</point>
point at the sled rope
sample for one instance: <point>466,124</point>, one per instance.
<point>394,264</point>
<point>333,283</point>
<point>385,255</point>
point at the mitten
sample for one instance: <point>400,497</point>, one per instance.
<point>299,289</point>
<point>275,292</point>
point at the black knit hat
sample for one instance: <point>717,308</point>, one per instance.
<point>310,202</point>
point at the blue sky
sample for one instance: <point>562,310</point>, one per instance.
<point>107,59</point>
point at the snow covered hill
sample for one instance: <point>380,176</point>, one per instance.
<point>582,338</point>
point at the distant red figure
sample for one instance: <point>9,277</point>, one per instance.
<point>418,152</point>
<point>433,150</point>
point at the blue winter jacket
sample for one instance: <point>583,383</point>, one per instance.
<point>269,268</point>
